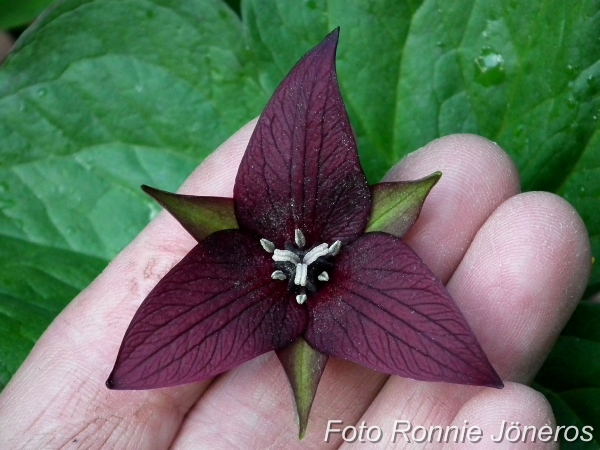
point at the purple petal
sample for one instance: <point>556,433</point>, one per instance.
<point>301,168</point>
<point>384,309</point>
<point>214,310</point>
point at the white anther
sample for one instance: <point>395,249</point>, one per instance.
<point>323,277</point>
<point>335,248</point>
<point>301,298</point>
<point>278,275</point>
<point>315,253</point>
<point>267,245</point>
<point>301,274</point>
<point>299,237</point>
<point>285,256</point>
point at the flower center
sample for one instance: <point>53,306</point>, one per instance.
<point>304,269</point>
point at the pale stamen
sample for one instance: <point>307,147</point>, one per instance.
<point>286,256</point>
<point>324,276</point>
<point>278,275</point>
<point>267,245</point>
<point>335,248</point>
<point>300,239</point>
<point>297,263</point>
<point>315,253</point>
<point>301,274</point>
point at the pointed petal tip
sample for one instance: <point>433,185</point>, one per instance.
<point>496,382</point>
<point>152,192</point>
<point>489,377</point>
<point>302,433</point>
<point>334,35</point>
<point>148,189</point>
<point>115,383</point>
<point>331,40</point>
<point>110,383</point>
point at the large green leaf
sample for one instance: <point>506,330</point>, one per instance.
<point>90,109</point>
<point>100,96</point>
<point>567,416</point>
<point>570,377</point>
<point>15,13</point>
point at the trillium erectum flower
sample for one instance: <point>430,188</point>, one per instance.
<point>304,260</point>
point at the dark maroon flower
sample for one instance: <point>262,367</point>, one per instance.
<point>300,265</point>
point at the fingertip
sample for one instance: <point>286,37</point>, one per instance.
<point>501,414</point>
<point>457,154</point>
<point>527,268</point>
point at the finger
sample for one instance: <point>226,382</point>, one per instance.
<point>347,389</point>
<point>58,396</point>
<point>521,279</point>
<point>477,423</point>
<point>477,176</point>
<point>508,419</point>
<point>252,406</point>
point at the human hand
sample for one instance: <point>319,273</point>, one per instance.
<point>516,264</point>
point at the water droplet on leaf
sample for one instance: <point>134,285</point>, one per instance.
<point>489,68</point>
<point>572,69</point>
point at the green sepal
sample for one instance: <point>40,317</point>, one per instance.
<point>304,366</point>
<point>396,205</point>
<point>200,216</point>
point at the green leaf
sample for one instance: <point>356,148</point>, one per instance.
<point>36,282</point>
<point>570,377</point>
<point>303,366</point>
<point>586,402</point>
<point>396,206</point>
<point>200,216</point>
<point>584,322</point>
<point>16,13</point>
<point>90,109</point>
<point>566,417</point>
<point>573,363</point>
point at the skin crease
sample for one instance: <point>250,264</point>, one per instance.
<point>516,264</point>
